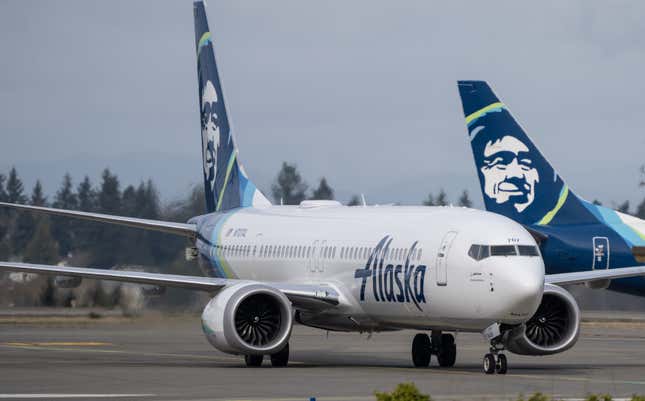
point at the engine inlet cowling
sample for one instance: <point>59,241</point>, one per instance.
<point>553,328</point>
<point>248,318</point>
<point>258,319</point>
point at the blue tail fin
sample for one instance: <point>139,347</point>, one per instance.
<point>226,183</point>
<point>516,179</point>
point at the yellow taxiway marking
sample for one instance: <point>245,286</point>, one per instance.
<point>58,344</point>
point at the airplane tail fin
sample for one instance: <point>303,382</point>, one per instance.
<point>226,184</point>
<point>516,179</point>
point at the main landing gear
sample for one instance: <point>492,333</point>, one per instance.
<point>441,345</point>
<point>278,360</point>
<point>495,361</point>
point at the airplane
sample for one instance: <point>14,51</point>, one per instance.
<point>348,268</point>
<point>518,182</point>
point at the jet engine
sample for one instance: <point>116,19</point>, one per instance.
<point>552,329</point>
<point>248,319</point>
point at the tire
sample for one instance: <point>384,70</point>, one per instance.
<point>421,350</point>
<point>489,364</point>
<point>281,358</point>
<point>501,366</point>
<point>253,361</point>
<point>447,354</point>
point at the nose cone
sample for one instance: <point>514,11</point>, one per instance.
<point>520,284</point>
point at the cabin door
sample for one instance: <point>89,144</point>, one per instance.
<point>442,258</point>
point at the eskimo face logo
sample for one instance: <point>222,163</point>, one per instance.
<point>210,132</point>
<point>399,283</point>
<point>509,173</point>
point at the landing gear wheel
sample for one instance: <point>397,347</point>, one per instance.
<point>501,366</point>
<point>421,350</point>
<point>489,364</point>
<point>280,358</point>
<point>253,361</point>
<point>447,351</point>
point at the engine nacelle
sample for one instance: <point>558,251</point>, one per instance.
<point>552,329</point>
<point>248,319</point>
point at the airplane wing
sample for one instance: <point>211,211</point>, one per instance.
<point>188,230</point>
<point>593,275</point>
<point>301,295</point>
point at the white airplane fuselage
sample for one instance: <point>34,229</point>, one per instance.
<point>394,267</point>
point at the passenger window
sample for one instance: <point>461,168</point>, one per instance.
<point>503,250</point>
<point>528,250</point>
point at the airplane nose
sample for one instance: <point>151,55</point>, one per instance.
<point>522,289</point>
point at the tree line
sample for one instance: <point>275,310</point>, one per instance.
<point>289,188</point>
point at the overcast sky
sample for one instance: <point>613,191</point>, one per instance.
<point>362,92</point>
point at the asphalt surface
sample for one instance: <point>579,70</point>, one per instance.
<point>156,357</point>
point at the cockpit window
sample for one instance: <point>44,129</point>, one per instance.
<point>503,250</point>
<point>528,250</point>
<point>479,252</point>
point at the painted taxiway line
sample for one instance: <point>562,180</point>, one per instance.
<point>49,396</point>
<point>58,344</point>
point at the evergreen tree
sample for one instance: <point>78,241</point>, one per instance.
<point>464,200</point>
<point>3,193</point>
<point>354,201</point>
<point>289,187</point>
<point>442,198</point>
<point>429,201</point>
<point>87,201</point>
<point>43,249</point>
<point>324,191</point>
<point>65,197</point>
<point>37,196</point>
<point>15,189</point>
<point>597,202</point>
<point>147,201</point>
<point>25,222</point>
<point>107,246</point>
<point>110,195</point>
<point>85,232</point>
<point>63,228</point>
<point>129,202</point>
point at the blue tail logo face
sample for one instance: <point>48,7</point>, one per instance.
<point>509,173</point>
<point>210,134</point>
<point>516,180</point>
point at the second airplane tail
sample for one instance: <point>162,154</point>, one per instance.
<point>226,183</point>
<point>516,179</point>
